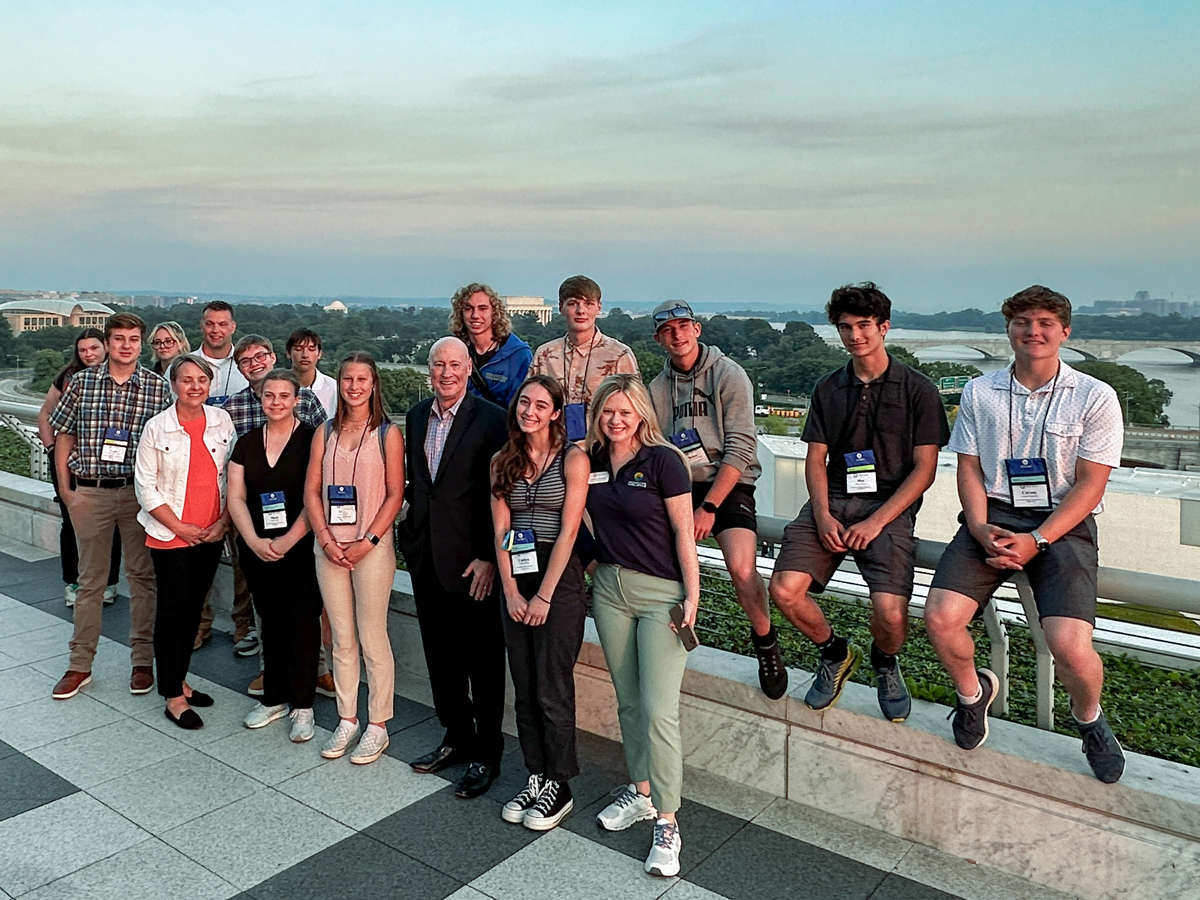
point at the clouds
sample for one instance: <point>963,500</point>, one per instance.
<point>796,137</point>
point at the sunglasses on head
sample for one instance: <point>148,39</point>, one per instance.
<point>678,311</point>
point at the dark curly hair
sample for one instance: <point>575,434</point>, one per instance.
<point>862,299</point>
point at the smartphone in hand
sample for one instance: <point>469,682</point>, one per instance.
<point>686,633</point>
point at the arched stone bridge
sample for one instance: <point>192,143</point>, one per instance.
<point>1104,349</point>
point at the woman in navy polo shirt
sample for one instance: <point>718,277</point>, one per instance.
<point>640,502</point>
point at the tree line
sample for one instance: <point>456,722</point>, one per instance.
<point>787,361</point>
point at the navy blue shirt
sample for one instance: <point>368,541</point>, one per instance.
<point>629,516</point>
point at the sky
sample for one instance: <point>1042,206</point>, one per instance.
<point>757,154</point>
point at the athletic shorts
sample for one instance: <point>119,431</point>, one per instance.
<point>886,564</point>
<point>738,510</point>
<point>1063,578</point>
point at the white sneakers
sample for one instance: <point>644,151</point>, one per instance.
<point>262,716</point>
<point>302,726</point>
<point>343,737</point>
<point>664,852</point>
<point>69,593</point>
<point>374,741</point>
<point>629,807</point>
<point>110,595</point>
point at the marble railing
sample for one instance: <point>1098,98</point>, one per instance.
<point>1025,803</point>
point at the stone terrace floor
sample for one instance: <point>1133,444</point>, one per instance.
<point>100,796</point>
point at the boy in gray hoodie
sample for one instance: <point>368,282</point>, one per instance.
<point>705,405</point>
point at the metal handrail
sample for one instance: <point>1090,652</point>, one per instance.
<point>1163,592</point>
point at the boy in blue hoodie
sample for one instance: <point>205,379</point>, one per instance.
<point>499,359</point>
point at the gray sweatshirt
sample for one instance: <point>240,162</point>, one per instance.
<point>717,399</point>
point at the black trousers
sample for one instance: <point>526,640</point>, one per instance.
<point>464,652</point>
<point>288,601</point>
<point>541,660</point>
<point>184,576</point>
<point>68,548</point>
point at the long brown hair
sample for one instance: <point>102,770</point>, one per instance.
<point>513,460</point>
<point>378,416</point>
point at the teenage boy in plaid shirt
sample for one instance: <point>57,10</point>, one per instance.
<point>99,421</point>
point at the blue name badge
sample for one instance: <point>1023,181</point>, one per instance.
<point>343,504</point>
<point>274,510</point>
<point>688,441</point>
<point>576,421</point>
<point>218,400</point>
<point>115,446</point>
<point>522,551</point>
<point>1028,482</point>
<point>860,472</point>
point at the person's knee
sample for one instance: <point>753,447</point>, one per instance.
<point>943,617</point>
<point>789,589</point>
<point>891,619</point>
<point>1073,653</point>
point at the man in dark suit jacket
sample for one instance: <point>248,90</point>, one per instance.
<point>447,541</point>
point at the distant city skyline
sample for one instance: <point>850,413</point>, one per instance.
<point>754,155</point>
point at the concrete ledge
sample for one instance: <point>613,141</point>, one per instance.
<point>28,512</point>
<point>1026,803</point>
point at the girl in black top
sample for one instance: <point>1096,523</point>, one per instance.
<point>539,487</point>
<point>266,502</point>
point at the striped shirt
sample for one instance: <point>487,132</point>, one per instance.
<point>246,410</point>
<point>1079,416</point>
<point>93,402</point>
<point>437,431</point>
<point>538,504</point>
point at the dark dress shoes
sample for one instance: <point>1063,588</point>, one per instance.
<point>187,719</point>
<point>441,758</point>
<point>476,781</point>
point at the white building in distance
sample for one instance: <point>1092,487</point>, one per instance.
<point>536,305</point>
<point>337,306</point>
<point>35,314</point>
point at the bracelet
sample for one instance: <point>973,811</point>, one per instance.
<point>540,597</point>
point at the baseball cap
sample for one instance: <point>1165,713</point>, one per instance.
<point>671,309</point>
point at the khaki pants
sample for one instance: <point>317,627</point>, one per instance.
<point>357,602</point>
<point>95,512</point>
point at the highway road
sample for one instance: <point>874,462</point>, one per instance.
<point>17,403</point>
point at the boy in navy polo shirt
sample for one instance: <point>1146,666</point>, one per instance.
<point>873,431</point>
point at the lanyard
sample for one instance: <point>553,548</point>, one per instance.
<point>587,367</point>
<point>1045,417</point>
<point>295,424</point>
<point>354,470</point>
<point>532,487</point>
<point>872,411</point>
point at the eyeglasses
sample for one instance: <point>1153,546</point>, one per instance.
<point>678,311</point>
<point>252,360</point>
<point>164,343</point>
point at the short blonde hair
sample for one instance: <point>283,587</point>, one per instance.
<point>648,433</point>
<point>501,324</point>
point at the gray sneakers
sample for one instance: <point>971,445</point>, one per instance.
<point>831,678</point>
<point>341,738</point>
<point>370,747</point>
<point>302,726</point>
<point>894,701</point>
<point>629,807</point>
<point>664,852</point>
<point>262,716</point>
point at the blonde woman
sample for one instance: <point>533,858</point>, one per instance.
<point>499,359</point>
<point>640,503</point>
<point>167,341</point>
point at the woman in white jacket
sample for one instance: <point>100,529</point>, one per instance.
<point>180,481</point>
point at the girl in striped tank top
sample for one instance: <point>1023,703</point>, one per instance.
<point>539,487</point>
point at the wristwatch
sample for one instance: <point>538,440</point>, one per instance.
<point>373,538</point>
<point>1042,544</point>
<point>709,507</point>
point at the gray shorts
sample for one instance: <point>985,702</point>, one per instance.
<point>1063,578</point>
<point>886,564</point>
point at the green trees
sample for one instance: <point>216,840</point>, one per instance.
<point>1142,399</point>
<point>46,364</point>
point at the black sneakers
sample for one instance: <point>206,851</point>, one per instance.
<point>514,810</point>
<point>551,807</point>
<point>772,675</point>
<point>970,723</point>
<point>1104,753</point>
<point>894,702</point>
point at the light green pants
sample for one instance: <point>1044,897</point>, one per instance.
<point>646,660</point>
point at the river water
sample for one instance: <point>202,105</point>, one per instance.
<point>1173,369</point>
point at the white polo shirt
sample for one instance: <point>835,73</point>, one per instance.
<point>227,378</point>
<point>326,390</point>
<point>1082,418</point>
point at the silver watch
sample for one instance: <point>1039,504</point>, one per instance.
<point>1042,544</point>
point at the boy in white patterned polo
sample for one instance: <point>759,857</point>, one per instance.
<point>1036,443</point>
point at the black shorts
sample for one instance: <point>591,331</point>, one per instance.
<point>886,564</point>
<point>1063,578</point>
<point>738,510</point>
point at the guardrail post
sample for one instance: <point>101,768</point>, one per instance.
<point>1045,661</point>
<point>998,634</point>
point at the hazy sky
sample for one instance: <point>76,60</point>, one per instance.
<point>752,152</point>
